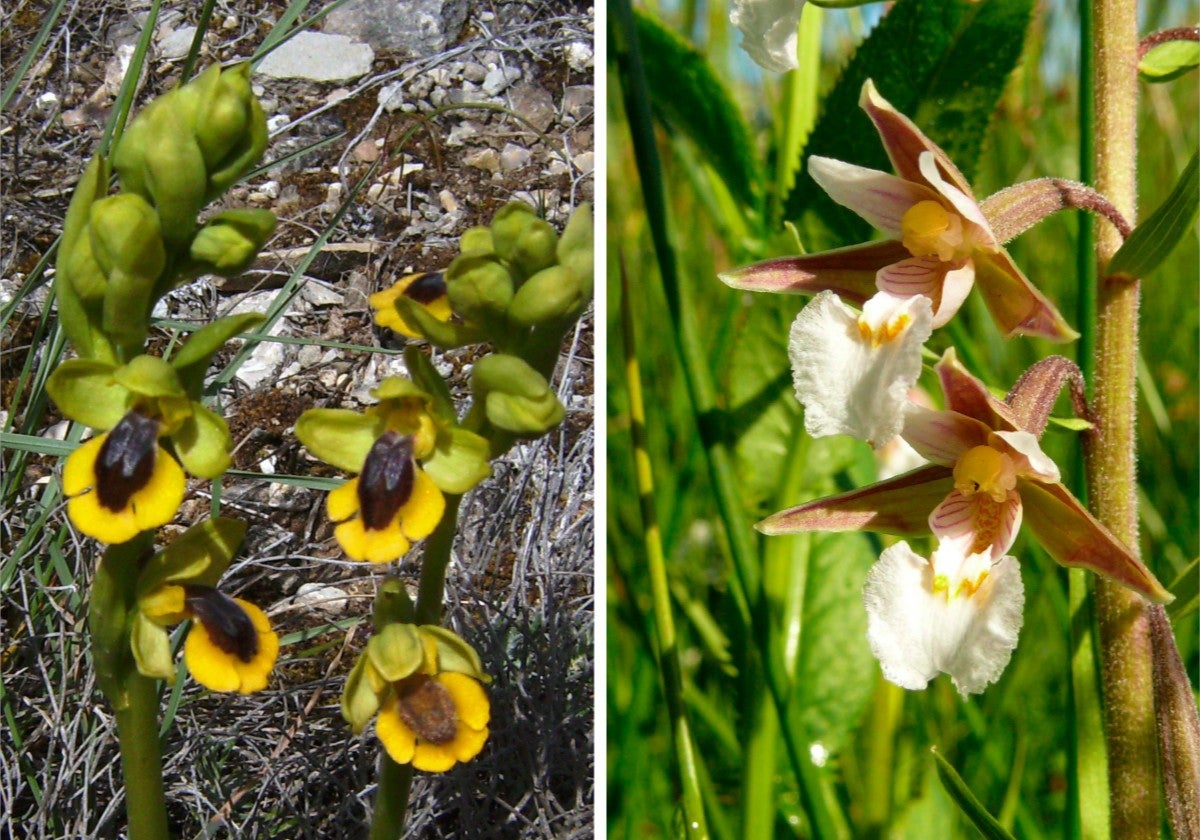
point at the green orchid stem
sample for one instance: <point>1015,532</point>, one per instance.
<point>134,698</point>
<point>1112,477</point>
<point>391,799</point>
<point>391,796</point>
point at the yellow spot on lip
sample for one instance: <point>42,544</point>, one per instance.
<point>985,470</point>
<point>887,332</point>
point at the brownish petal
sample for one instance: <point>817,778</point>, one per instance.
<point>849,272</point>
<point>1016,305</point>
<point>1073,537</point>
<point>899,506</point>
<point>904,142</point>
<point>967,395</point>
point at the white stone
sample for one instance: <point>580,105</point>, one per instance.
<point>175,44</point>
<point>391,96</point>
<point>584,161</point>
<point>485,159</point>
<point>499,78</point>
<point>47,103</point>
<point>318,57</point>
<point>322,598</point>
<point>514,157</point>
<point>580,56</point>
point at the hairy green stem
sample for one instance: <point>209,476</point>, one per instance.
<point>1112,473</point>
<point>134,698</point>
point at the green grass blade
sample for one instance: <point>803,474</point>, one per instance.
<point>31,54</point>
<point>988,825</point>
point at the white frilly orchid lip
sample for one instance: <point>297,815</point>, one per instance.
<point>853,371</point>
<point>953,613</point>
<point>769,30</point>
<point>987,476</point>
<point>940,243</point>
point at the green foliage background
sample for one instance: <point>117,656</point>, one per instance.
<point>944,65</point>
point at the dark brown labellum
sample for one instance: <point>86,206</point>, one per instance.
<point>126,460</point>
<point>386,481</point>
<point>427,287</point>
<point>228,625</point>
<point>426,707</point>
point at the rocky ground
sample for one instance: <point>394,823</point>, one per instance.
<point>391,158</point>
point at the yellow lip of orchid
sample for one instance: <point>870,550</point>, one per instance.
<point>122,482</point>
<point>425,288</point>
<point>435,722</point>
<point>231,646</point>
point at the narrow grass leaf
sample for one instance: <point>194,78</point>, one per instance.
<point>1154,239</point>
<point>690,98</point>
<point>1186,589</point>
<point>49,21</point>
<point>988,825</point>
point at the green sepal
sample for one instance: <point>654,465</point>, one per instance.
<point>459,461</point>
<point>203,443</point>
<point>534,249</point>
<point>576,248</point>
<point>360,697</point>
<point>1169,61</point>
<point>151,645</point>
<point>399,388</point>
<point>396,651</point>
<point>439,333</point>
<point>477,241</point>
<point>454,654</point>
<point>339,436</point>
<point>516,397</point>
<point>198,556</point>
<point>480,288</point>
<point>430,381</point>
<point>85,391</point>
<point>192,360</point>
<point>149,376</point>
<point>508,224</point>
<point>553,294</point>
<point>229,242</point>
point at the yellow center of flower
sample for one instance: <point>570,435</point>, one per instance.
<point>410,417</point>
<point>984,470</point>
<point>886,332</point>
<point>966,587</point>
<point>427,707</point>
<point>964,580</point>
<point>928,229</point>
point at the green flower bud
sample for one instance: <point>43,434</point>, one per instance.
<point>480,289</point>
<point>552,294</point>
<point>127,245</point>
<point>576,249</point>
<point>230,241</point>
<point>533,249</point>
<point>477,241</point>
<point>508,224</point>
<point>190,145</point>
<point>516,397</point>
<point>79,284</point>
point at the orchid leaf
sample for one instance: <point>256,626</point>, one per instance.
<point>687,95</point>
<point>971,807</point>
<point>1154,239</point>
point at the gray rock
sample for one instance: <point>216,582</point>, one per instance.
<point>418,27</point>
<point>499,78</point>
<point>318,57</point>
<point>534,103</point>
<point>474,72</point>
<point>578,100</point>
<point>485,159</point>
<point>514,157</point>
<point>175,45</point>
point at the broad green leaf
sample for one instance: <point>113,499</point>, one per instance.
<point>942,64</point>
<point>988,825</point>
<point>1169,61</point>
<point>1157,236</point>
<point>191,362</point>
<point>835,673</point>
<point>689,98</point>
